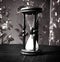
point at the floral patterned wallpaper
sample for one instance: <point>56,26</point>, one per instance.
<point>15,21</point>
<point>54,22</point>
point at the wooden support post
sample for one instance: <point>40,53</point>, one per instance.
<point>24,32</point>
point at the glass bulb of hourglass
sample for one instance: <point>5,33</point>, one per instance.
<point>30,44</point>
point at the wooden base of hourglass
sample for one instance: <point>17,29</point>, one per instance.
<point>31,53</point>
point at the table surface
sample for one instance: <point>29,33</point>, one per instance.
<point>11,53</point>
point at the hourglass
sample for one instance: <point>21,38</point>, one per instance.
<point>30,16</point>
<point>31,46</point>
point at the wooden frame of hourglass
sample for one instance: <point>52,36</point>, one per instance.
<point>29,11</point>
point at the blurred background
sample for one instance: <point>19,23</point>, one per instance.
<point>49,21</point>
